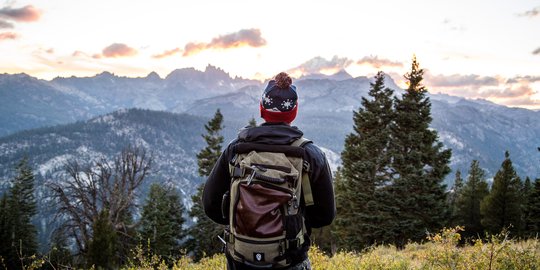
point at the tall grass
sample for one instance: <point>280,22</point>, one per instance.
<point>441,251</point>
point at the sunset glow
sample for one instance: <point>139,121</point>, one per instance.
<point>481,49</point>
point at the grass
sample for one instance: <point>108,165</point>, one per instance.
<point>440,252</point>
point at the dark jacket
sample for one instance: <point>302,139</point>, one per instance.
<point>320,214</point>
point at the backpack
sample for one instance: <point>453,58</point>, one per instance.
<point>266,223</point>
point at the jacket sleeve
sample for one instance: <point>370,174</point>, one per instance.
<point>323,211</point>
<point>217,184</point>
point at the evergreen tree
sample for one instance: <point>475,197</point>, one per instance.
<point>365,169</point>
<point>452,198</point>
<point>532,219</point>
<point>161,222</point>
<point>203,234</point>
<point>7,253</point>
<point>18,234</point>
<point>210,154</point>
<point>526,193</point>
<point>502,207</point>
<point>102,248</point>
<point>420,164</point>
<point>468,202</point>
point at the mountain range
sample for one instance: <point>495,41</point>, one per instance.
<point>473,129</point>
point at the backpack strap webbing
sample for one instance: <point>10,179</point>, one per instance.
<point>306,184</point>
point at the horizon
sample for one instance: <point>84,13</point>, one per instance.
<point>472,50</point>
<point>225,71</point>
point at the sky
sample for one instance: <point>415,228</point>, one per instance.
<point>468,48</point>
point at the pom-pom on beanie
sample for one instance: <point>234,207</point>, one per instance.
<point>279,101</point>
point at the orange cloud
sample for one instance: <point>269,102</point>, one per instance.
<point>25,14</point>
<point>118,50</point>
<point>8,36</point>
<point>167,53</point>
<point>377,62</point>
<point>242,38</point>
<point>194,48</point>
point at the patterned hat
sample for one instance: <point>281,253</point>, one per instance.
<point>279,104</point>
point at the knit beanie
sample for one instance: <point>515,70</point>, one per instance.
<point>279,101</point>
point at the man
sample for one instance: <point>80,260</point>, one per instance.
<point>278,107</point>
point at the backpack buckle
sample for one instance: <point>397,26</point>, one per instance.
<point>237,172</point>
<point>292,243</point>
<point>305,166</point>
<point>251,176</point>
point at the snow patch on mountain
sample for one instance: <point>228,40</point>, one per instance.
<point>53,164</point>
<point>451,141</point>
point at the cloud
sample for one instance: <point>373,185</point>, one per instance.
<point>5,25</point>
<point>319,64</point>
<point>79,54</point>
<point>25,14</point>
<point>458,80</point>
<point>249,37</point>
<point>537,51</point>
<point>512,92</point>
<point>8,36</point>
<point>524,79</point>
<point>517,91</point>
<point>167,53</point>
<point>531,13</point>
<point>194,48</point>
<point>378,63</point>
<point>118,50</point>
<point>242,38</point>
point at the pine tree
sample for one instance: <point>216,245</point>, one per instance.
<point>365,166</point>
<point>526,193</point>
<point>18,234</point>
<point>203,234</point>
<point>210,154</point>
<point>452,198</point>
<point>532,219</point>
<point>102,248</point>
<point>161,222</point>
<point>420,164</point>
<point>502,207</point>
<point>7,253</point>
<point>468,202</point>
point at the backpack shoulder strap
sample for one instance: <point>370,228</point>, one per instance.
<point>301,142</point>
<point>306,184</point>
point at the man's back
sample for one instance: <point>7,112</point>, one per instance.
<point>278,106</point>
